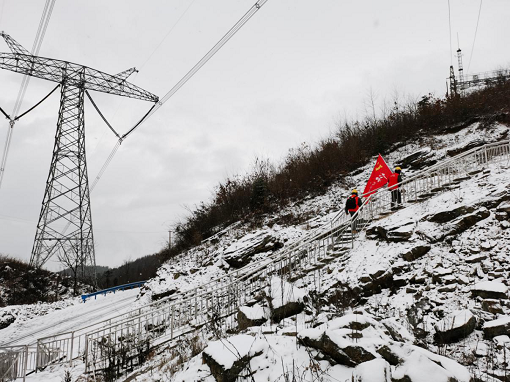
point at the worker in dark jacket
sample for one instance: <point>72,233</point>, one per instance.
<point>353,203</point>
<point>393,184</point>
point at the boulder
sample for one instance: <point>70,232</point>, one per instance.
<point>240,253</point>
<point>344,352</point>
<point>492,306</point>
<point>416,252</point>
<point>6,319</point>
<point>422,365</point>
<point>419,159</point>
<point>449,215</point>
<point>476,258</point>
<point>395,232</point>
<point>284,299</point>
<point>377,370</point>
<point>498,327</point>
<point>227,359</point>
<point>250,316</point>
<point>454,327</point>
<point>504,207</point>
<point>468,146</point>
<point>389,356</point>
<point>490,289</point>
<point>467,221</point>
<point>402,233</point>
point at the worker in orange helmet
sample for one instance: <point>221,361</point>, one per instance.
<point>393,184</point>
<point>353,203</point>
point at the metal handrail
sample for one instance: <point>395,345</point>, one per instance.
<point>126,326</point>
<point>316,242</point>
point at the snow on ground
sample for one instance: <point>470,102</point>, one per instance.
<point>68,318</point>
<point>435,285</point>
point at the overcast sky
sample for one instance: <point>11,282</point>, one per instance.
<point>294,70</point>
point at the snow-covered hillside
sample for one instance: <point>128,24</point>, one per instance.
<point>422,296</point>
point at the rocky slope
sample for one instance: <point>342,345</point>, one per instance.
<point>423,296</point>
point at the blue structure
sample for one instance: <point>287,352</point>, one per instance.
<point>113,289</point>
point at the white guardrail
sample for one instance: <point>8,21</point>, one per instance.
<point>122,341</point>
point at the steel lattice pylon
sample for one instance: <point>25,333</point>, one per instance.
<point>65,223</point>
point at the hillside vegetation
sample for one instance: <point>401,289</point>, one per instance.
<point>310,171</point>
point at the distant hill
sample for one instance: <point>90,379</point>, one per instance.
<point>21,283</point>
<point>140,269</point>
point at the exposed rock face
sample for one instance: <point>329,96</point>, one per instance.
<point>416,252</point>
<point>240,253</point>
<point>226,359</point>
<point>371,351</point>
<point>284,299</point>
<point>470,145</point>
<point>490,290</point>
<point>468,221</point>
<point>250,316</point>
<point>455,327</point>
<point>401,231</point>
<point>336,345</point>
<point>446,216</point>
<point>431,232</point>
<point>419,159</point>
<point>498,327</point>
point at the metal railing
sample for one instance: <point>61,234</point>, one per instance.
<point>107,346</point>
<point>136,284</point>
<point>119,341</point>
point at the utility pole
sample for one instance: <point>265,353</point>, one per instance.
<point>64,228</point>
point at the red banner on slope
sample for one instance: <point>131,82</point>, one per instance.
<point>379,177</point>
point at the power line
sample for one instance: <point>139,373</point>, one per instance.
<point>2,10</point>
<point>39,37</point>
<point>474,39</point>
<point>247,16</point>
<point>168,33</point>
<point>450,27</point>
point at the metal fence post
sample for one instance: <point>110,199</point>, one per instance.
<point>172,324</point>
<point>25,363</point>
<point>72,349</point>
<point>86,353</point>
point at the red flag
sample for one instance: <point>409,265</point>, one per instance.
<point>379,177</point>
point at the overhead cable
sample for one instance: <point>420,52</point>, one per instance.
<point>204,59</point>
<point>101,114</point>
<point>474,39</point>
<point>450,27</point>
<point>37,104</point>
<point>247,16</point>
<point>39,37</point>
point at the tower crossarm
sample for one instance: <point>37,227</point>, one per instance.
<point>73,74</point>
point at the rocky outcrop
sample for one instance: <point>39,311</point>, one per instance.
<point>240,253</point>
<point>416,252</point>
<point>251,316</point>
<point>419,159</point>
<point>449,215</point>
<point>227,359</point>
<point>455,327</point>
<point>498,327</point>
<point>431,232</point>
<point>467,221</point>
<point>398,232</point>
<point>374,355</point>
<point>284,299</point>
<point>490,290</point>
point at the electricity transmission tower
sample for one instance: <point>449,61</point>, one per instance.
<point>65,223</point>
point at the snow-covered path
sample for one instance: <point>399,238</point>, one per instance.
<point>65,320</point>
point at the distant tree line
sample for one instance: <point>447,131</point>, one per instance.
<point>310,171</point>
